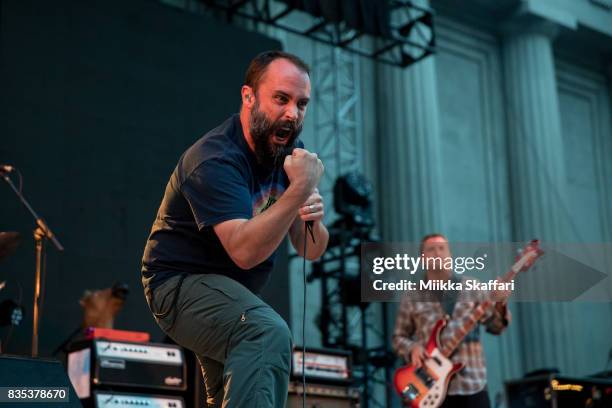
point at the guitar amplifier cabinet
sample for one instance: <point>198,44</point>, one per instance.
<point>555,391</point>
<point>110,399</point>
<point>100,364</point>
<point>322,396</point>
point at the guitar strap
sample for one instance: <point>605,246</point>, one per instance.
<point>448,301</point>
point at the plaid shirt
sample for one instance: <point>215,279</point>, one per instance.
<point>416,319</point>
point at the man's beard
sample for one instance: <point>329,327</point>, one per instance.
<point>268,153</point>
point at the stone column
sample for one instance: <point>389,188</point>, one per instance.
<point>537,175</point>
<point>408,137</point>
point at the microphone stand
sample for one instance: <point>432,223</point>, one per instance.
<point>42,232</point>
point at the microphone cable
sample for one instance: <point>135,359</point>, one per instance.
<point>308,225</point>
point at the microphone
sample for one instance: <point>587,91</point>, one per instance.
<point>5,168</point>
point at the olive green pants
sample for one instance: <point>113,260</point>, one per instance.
<point>243,345</point>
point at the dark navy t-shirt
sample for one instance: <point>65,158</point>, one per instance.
<point>217,179</point>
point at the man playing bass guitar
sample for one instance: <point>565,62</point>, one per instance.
<point>416,320</point>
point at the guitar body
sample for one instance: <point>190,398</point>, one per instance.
<point>425,387</point>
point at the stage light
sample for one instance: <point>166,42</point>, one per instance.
<point>352,199</point>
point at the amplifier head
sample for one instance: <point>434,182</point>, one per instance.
<point>323,365</point>
<point>102,363</point>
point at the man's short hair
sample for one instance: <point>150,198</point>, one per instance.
<point>430,236</point>
<point>260,63</point>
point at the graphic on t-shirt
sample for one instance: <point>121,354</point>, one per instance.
<point>266,197</point>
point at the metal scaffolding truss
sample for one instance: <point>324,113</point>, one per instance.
<point>348,323</point>
<point>338,136</point>
<point>409,35</point>
<point>339,140</point>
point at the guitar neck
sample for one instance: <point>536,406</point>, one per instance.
<point>474,317</point>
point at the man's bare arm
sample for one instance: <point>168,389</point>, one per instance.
<point>250,242</point>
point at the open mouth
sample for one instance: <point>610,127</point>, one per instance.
<point>281,136</point>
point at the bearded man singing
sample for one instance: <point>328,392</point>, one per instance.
<point>229,203</point>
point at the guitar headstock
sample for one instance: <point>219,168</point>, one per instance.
<point>528,256</point>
